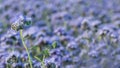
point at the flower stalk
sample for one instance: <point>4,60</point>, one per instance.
<point>21,36</point>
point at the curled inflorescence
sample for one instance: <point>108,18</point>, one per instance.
<point>21,23</point>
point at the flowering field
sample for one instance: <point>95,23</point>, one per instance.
<point>59,33</point>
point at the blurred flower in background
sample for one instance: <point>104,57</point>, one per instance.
<point>86,32</point>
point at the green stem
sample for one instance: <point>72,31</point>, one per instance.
<point>42,61</point>
<point>26,49</point>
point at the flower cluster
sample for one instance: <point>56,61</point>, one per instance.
<point>21,23</point>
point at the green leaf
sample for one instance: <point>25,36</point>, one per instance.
<point>33,47</point>
<point>46,52</point>
<point>54,44</point>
